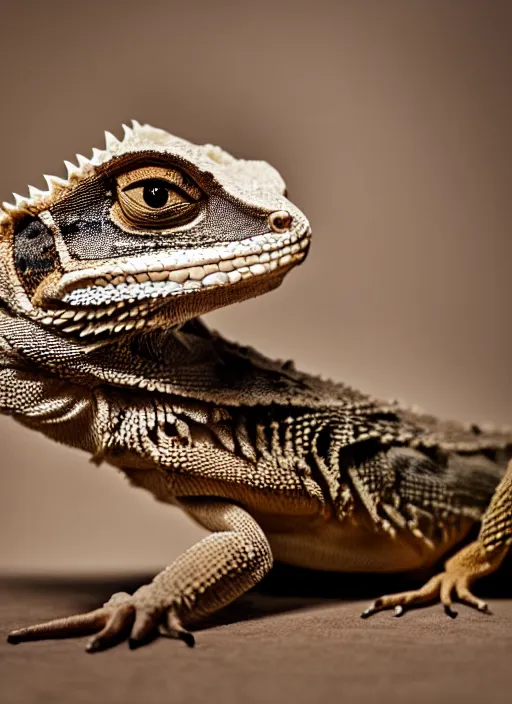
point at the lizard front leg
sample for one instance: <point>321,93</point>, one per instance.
<point>478,559</point>
<point>205,578</point>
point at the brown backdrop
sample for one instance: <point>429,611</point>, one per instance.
<point>391,123</point>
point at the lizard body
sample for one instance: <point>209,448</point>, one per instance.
<point>102,280</point>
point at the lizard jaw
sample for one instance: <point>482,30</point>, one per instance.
<point>169,287</point>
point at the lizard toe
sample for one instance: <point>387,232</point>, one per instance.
<point>144,628</point>
<point>402,600</point>
<point>465,595</point>
<point>445,594</point>
<point>118,625</point>
<point>78,625</point>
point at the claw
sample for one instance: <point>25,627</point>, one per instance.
<point>143,629</point>
<point>93,646</point>
<point>174,629</point>
<point>399,611</point>
<point>449,611</point>
<point>187,638</point>
<point>373,608</point>
<point>369,612</point>
<point>134,643</point>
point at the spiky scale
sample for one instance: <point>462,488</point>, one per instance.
<point>36,193</point>
<point>71,168</point>
<point>97,156</point>
<point>111,141</point>
<point>82,160</point>
<point>19,200</point>
<point>54,181</point>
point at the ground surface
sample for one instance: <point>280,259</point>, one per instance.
<point>265,648</point>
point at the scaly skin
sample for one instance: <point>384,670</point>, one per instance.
<point>102,280</point>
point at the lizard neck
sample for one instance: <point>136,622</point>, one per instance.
<point>190,362</point>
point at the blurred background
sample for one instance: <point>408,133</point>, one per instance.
<point>390,122</point>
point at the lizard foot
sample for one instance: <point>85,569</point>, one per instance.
<point>461,571</point>
<point>202,580</point>
<point>123,616</point>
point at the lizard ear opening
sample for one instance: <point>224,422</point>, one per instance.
<point>155,198</point>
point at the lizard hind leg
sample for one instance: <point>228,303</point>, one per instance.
<point>461,571</point>
<point>478,559</point>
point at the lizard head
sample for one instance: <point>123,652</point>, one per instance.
<point>150,232</point>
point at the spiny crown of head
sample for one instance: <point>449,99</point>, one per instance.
<point>139,138</point>
<point>115,246</point>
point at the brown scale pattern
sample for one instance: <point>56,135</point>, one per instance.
<point>497,524</point>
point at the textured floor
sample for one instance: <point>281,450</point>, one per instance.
<point>265,648</point>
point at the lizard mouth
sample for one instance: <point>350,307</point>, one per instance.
<point>168,287</point>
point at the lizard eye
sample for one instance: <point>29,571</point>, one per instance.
<point>156,198</point>
<point>155,193</point>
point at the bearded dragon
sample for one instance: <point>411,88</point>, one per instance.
<point>103,278</point>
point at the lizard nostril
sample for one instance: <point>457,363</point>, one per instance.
<point>280,221</point>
